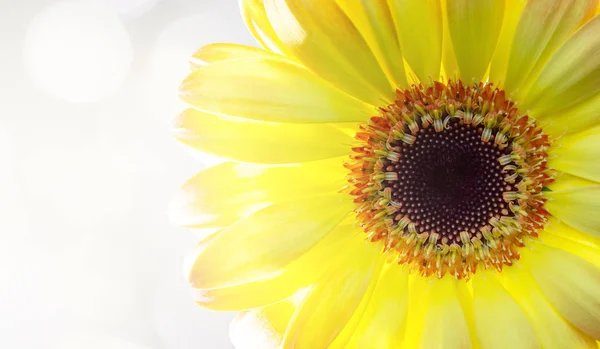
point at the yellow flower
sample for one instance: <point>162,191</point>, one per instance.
<point>400,174</point>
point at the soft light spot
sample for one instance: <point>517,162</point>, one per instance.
<point>78,51</point>
<point>129,8</point>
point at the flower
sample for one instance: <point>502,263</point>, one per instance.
<point>401,174</point>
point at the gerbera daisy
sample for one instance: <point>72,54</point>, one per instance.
<point>400,174</point>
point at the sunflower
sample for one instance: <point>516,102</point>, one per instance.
<point>400,174</point>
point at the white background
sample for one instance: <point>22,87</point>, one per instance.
<point>88,257</point>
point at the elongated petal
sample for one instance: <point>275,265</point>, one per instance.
<point>320,35</point>
<point>262,244</point>
<point>374,21</point>
<point>552,330</point>
<point>574,119</point>
<point>296,276</point>
<point>222,51</point>
<point>260,142</point>
<point>220,195</point>
<point>512,14</point>
<point>475,29</point>
<point>261,328</point>
<point>255,17</point>
<point>435,315</point>
<point>420,31</point>
<point>578,154</point>
<point>565,181</point>
<point>333,300</point>
<point>543,27</point>
<point>269,90</point>
<point>577,207</point>
<point>499,321</point>
<point>384,321</point>
<point>449,64</point>
<point>571,76</point>
<point>564,237</point>
<point>570,284</point>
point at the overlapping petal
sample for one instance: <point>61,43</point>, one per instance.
<point>320,35</point>
<point>299,274</point>
<point>260,142</point>
<point>261,244</point>
<point>333,300</point>
<point>576,118</point>
<point>571,76</point>
<point>512,14</point>
<point>577,207</point>
<point>499,320</point>
<point>374,21</point>
<point>223,51</point>
<point>220,195</point>
<point>383,324</point>
<point>269,90</point>
<point>552,330</point>
<point>474,28</point>
<point>420,32</point>
<point>436,318</point>
<point>543,27</point>
<point>578,154</point>
<point>571,284</point>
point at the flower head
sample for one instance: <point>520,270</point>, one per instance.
<point>400,174</point>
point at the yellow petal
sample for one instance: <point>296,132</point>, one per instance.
<point>577,207</point>
<point>543,27</point>
<point>255,17</point>
<point>320,35</point>
<point>374,21</point>
<point>261,328</point>
<point>260,142</point>
<point>298,275</point>
<point>220,195</point>
<point>564,237</point>
<point>512,13</point>
<point>499,321</point>
<point>571,76</point>
<point>384,321</point>
<point>553,332</point>
<point>577,242</point>
<point>420,31</point>
<point>260,245</point>
<point>435,316</point>
<point>571,285</point>
<point>449,64</point>
<point>574,119</point>
<point>333,300</point>
<point>221,51</point>
<point>474,28</point>
<point>565,181</point>
<point>578,154</point>
<point>269,90</point>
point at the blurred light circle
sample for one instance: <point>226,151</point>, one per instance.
<point>79,51</point>
<point>129,8</point>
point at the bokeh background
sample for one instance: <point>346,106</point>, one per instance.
<point>88,90</point>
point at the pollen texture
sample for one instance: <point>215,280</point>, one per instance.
<point>449,178</point>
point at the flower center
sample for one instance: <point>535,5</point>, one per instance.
<point>449,177</point>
